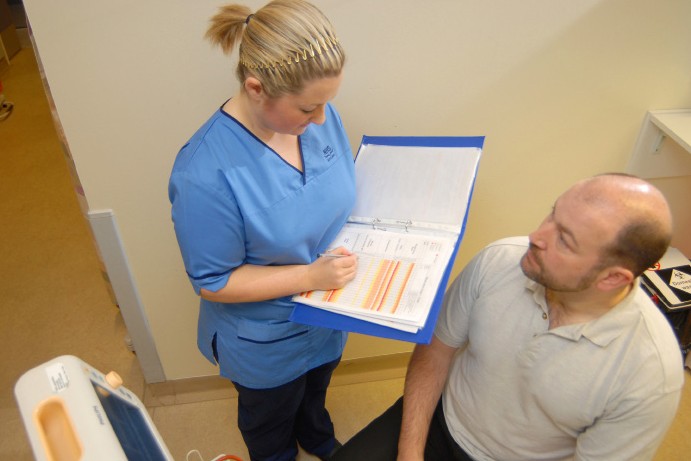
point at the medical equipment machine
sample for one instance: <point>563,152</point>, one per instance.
<point>71,411</point>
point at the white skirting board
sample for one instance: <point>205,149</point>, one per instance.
<point>110,246</point>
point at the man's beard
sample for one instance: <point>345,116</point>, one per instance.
<point>546,279</point>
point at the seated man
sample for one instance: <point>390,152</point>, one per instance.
<point>546,348</point>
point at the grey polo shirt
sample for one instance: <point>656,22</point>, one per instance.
<point>604,390</point>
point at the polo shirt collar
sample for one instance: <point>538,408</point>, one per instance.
<point>601,331</point>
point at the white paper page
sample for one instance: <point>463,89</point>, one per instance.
<point>397,278</point>
<point>383,322</point>
<point>436,182</point>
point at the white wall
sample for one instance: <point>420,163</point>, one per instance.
<point>559,88</point>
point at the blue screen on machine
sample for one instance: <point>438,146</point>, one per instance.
<point>131,427</point>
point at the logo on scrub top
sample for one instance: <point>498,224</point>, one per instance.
<point>328,153</point>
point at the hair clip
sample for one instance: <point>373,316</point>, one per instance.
<point>327,43</point>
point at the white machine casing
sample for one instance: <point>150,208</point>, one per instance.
<point>71,411</point>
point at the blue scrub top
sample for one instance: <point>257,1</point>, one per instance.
<point>235,201</point>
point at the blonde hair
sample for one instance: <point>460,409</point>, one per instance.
<point>284,44</point>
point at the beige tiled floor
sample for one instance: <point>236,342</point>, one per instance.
<point>53,300</point>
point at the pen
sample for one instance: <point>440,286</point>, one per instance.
<point>330,255</point>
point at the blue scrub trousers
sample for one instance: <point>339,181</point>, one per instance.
<point>272,421</point>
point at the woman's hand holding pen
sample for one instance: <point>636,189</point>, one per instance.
<point>334,269</point>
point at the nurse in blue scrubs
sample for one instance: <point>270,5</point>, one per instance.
<point>257,193</point>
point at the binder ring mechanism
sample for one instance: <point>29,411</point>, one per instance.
<point>378,223</point>
<point>405,224</point>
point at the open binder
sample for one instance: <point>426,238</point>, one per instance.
<point>413,196</point>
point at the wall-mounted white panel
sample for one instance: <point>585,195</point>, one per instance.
<point>663,147</point>
<point>105,230</point>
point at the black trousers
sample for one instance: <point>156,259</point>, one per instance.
<point>378,441</point>
<point>272,421</point>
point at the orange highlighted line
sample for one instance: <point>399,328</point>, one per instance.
<point>403,285</point>
<point>391,276</point>
<point>370,302</point>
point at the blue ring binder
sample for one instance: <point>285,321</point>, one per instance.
<point>306,314</point>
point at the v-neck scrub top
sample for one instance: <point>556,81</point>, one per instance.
<point>235,201</point>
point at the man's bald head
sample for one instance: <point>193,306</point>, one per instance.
<point>641,213</point>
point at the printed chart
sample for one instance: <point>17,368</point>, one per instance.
<point>392,285</point>
<point>380,285</point>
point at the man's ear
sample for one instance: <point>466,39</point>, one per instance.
<point>614,277</point>
<point>254,89</point>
